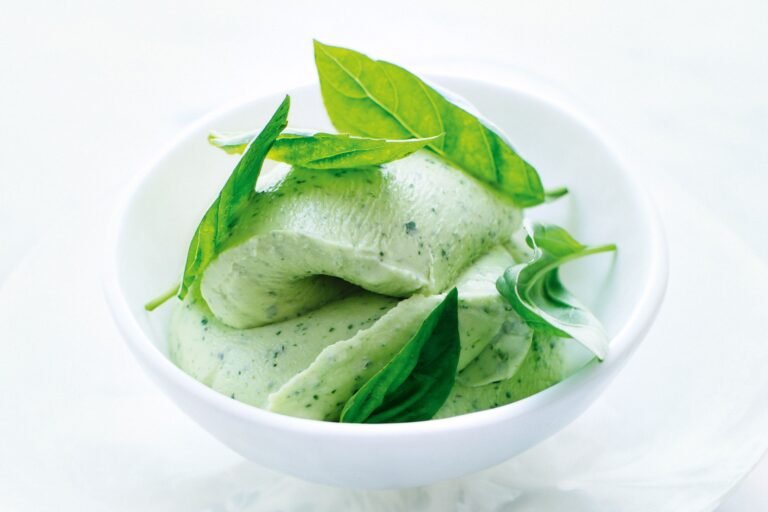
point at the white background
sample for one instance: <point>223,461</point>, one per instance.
<point>89,91</point>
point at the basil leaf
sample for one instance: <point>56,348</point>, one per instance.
<point>416,382</point>
<point>326,150</point>
<point>222,215</point>
<point>553,239</point>
<point>377,99</point>
<point>536,293</point>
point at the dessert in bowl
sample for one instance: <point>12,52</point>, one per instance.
<point>378,311</point>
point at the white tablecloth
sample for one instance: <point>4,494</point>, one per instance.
<point>90,90</point>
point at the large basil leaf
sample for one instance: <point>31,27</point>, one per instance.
<point>222,215</point>
<point>416,382</point>
<point>536,293</point>
<point>326,150</point>
<point>377,99</point>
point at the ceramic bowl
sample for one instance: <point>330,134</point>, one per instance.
<point>156,220</point>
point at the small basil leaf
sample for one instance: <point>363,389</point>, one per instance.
<point>416,382</point>
<point>218,221</point>
<point>536,293</point>
<point>553,240</point>
<point>378,99</point>
<point>327,150</point>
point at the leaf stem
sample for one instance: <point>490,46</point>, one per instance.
<point>162,299</point>
<point>587,251</point>
<point>599,249</point>
<point>554,194</point>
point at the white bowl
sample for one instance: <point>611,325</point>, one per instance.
<point>157,219</point>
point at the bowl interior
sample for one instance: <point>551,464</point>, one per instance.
<point>603,206</point>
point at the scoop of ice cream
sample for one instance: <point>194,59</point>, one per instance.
<point>310,237</point>
<point>328,274</point>
<point>309,366</point>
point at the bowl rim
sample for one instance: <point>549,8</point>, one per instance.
<point>160,367</point>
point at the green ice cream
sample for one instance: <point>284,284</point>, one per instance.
<point>408,227</point>
<point>382,273</point>
<point>328,274</point>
